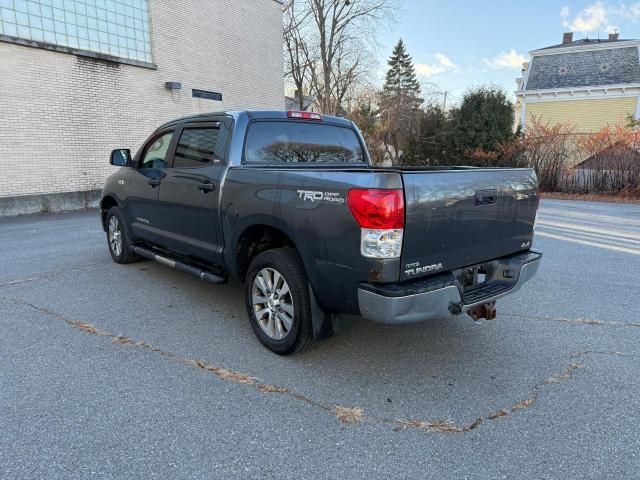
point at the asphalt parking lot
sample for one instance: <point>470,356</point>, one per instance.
<point>138,371</point>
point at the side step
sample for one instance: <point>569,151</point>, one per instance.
<point>203,275</point>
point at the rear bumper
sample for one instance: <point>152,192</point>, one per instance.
<point>442,295</point>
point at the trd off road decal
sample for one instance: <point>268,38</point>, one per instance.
<point>317,196</point>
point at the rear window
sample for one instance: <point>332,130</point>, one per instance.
<point>301,142</point>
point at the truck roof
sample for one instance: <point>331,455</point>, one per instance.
<point>252,114</point>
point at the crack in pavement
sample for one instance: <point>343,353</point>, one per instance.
<point>49,275</point>
<point>578,321</point>
<point>346,415</point>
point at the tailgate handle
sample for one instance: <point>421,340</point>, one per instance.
<point>487,197</point>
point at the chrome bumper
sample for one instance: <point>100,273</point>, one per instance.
<point>437,303</point>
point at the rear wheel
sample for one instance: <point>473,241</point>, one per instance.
<point>119,244</point>
<point>277,298</point>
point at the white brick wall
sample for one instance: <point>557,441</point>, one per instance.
<point>61,114</point>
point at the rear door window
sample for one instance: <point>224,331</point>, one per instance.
<point>198,147</point>
<point>270,143</point>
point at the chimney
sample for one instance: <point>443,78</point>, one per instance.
<point>567,37</point>
<point>614,36</point>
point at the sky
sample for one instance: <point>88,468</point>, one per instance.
<point>457,45</point>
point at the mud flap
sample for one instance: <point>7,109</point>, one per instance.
<point>322,322</point>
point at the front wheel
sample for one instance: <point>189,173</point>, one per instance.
<point>277,298</point>
<point>119,245</point>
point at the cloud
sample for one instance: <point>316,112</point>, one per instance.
<point>598,17</point>
<point>601,16</point>
<point>564,13</point>
<point>442,64</point>
<point>633,11</point>
<point>594,18</point>
<point>511,60</point>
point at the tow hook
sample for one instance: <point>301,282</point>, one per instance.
<point>485,311</point>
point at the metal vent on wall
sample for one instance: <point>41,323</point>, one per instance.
<point>206,95</point>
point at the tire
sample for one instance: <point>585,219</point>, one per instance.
<point>117,238</point>
<point>280,316</point>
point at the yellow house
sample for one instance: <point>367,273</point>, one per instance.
<point>585,83</point>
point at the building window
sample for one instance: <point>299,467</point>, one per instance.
<point>113,27</point>
<point>207,95</point>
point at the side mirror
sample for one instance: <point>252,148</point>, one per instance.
<point>121,157</point>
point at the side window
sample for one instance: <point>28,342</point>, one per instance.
<point>155,156</point>
<point>200,146</point>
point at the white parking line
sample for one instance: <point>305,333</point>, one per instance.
<point>614,248</point>
<point>590,217</point>
<point>590,229</point>
<point>596,237</point>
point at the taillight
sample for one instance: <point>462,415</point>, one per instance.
<point>377,208</point>
<point>304,115</point>
<point>380,214</point>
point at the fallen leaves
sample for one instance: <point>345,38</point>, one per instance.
<point>349,415</point>
<point>498,414</point>
<point>564,375</point>
<point>437,426</point>
<point>265,388</point>
<point>225,374</point>
<point>523,404</point>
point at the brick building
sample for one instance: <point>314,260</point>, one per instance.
<point>586,83</point>
<point>81,77</point>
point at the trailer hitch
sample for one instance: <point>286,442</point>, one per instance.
<point>485,311</point>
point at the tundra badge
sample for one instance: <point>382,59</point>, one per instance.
<point>416,269</point>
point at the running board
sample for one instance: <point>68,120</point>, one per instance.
<point>181,266</point>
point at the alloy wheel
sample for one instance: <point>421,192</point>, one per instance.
<point>273,303</point>
<point>115,236</point>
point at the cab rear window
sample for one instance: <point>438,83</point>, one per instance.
<point>287,142</point>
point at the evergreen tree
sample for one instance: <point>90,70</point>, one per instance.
<point>483,120</point>
<point>399,102</point>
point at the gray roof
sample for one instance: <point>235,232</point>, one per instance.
<point>599,67</point>
<point>587,42</point>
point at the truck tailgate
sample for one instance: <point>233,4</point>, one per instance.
<point>457,218</point>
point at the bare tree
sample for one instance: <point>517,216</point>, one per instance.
<point>329,46</point>
<point>298,58</point>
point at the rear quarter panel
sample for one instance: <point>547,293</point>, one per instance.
<point>320,225</point>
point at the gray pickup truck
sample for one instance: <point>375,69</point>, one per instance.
<point>290,204</point>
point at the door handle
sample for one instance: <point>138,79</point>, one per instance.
<point>154,182</point>
<point>206,187</point>
<point>486,197</point>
